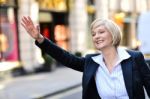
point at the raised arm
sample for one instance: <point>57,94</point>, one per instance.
<point>52,49</point>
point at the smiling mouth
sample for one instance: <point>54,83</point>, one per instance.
<point>97,42</point>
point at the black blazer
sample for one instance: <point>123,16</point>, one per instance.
<point>135,71</point>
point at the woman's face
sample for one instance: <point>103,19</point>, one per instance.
<point>101,37</point>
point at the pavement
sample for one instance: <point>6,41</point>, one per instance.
<point>38,86</point>
<point>41,85</point>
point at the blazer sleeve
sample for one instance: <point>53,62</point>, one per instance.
<point>62,56</point>
<point>145,72</point>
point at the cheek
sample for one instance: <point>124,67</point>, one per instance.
<point>110,38</point>
<point>93,39</point>
<point>110,41</point>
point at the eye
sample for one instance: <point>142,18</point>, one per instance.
<point>100,32</point>
<point>93,34</point>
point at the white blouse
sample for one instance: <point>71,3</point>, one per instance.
<point>111,85</point>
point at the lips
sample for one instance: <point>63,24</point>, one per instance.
<point>99,41</point>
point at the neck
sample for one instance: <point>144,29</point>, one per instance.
<point>110,52</point>
<point>110,56</point>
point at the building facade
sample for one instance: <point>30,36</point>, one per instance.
<point>65,22</point>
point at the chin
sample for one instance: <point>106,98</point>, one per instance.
<point>99,48</point>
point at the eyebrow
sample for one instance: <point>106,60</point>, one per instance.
<point>96,26</point>
<point>98,29</point>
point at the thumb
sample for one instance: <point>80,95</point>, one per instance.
<point>38,28</point>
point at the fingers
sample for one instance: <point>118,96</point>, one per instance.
<point>27,24</point>
<point>27,21</point>
<point>23,21</point>
<point>23,26</point>
<point>30,21</point>
<point>33,31</point>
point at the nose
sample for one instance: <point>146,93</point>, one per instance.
<point>96,36</point>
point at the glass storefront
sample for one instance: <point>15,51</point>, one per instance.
<point>61,36</point>
<point>8,35</point>
<point>55,23</point>
<point>8,32</point>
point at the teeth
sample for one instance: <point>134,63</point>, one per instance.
<point>99,41</point>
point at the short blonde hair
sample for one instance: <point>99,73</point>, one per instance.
<point>112,27</point>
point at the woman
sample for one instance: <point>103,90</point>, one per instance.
<point>114,74</point>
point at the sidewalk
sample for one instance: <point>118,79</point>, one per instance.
<point>39,85</point>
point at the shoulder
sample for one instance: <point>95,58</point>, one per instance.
<point>91,55</point>
<point>134,53</point>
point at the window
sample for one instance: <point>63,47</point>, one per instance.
<point>8,35</point>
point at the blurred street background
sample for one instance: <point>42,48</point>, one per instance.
<point>28,73</point>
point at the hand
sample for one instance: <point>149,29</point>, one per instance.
<point>33,31</point>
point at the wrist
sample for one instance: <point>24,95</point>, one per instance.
<point>40,39</point>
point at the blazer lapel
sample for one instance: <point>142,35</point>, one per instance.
<point>127,74</point>
<point>90,72</point>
